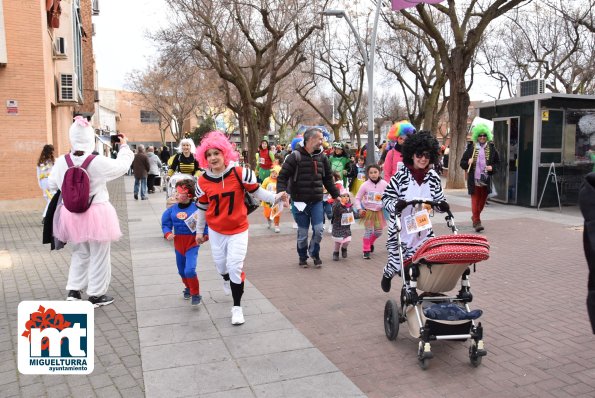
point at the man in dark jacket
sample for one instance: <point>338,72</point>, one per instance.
<point>164,155</point>
<point>140,169</point>
<point>304,175</point>
<point>586,200</point>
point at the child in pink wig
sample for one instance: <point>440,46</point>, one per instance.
<point>220,192</point>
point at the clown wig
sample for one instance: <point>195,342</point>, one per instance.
<point>186,141</point>
<point>400,129</point>
<point>296,142</point>
<point>419,143</point>
<point>215,140</point>
<point>481,128</point>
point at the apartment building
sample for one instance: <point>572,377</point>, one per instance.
<point>46,77</point>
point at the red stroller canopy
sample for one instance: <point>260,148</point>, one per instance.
<point>452,249</point>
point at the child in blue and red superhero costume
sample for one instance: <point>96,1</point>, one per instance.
<point>174,228</point>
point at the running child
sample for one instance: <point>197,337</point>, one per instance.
<point>174,227</point>
<point>270,184</point>
<point>220,192</point>
<point>342,219</point>
<point>327,201</point>
<point>357,175</point>
<point>369,203</point>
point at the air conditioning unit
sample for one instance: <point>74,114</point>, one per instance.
<point>95,7</point>
<point>532,87</point>
<point>67,91</point>
<point>60,48</point>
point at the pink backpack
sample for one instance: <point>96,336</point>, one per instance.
<point>76,186</point>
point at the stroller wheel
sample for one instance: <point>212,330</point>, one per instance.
<point>474,356</point>
<point>423,363</point>
<point>391,319</point>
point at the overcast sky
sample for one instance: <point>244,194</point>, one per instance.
<point>120,42</point>
<point>121,45</point>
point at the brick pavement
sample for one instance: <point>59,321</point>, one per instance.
<point>532,291</point>
<point>29,271</point>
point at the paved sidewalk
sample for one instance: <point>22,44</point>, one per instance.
<point>29,271</point>
<point>189,352</point>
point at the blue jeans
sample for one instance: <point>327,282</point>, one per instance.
<point>328,210</point>
<point>312,214</point>
<point>143,186</point>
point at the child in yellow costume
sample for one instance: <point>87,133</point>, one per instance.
<point>270,184</point>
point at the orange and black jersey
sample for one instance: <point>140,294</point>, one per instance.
<point>222,198</point>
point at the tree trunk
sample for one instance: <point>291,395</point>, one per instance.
<point>252,134</point>
<point>458,107</point>
<point>242,131</point>
<point>162,134</point>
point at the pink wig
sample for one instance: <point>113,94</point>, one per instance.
<point>215,140</point>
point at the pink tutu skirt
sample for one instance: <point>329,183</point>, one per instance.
<point>339,239</point>
<point>99,224</point>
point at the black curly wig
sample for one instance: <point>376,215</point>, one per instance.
<point>422,141</point>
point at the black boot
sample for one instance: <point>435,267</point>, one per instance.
<point>385,283</point>
<point>335,256</point>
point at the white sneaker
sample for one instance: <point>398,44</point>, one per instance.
<point>237,315</point>
<point>277,230</point>
<point>294,226</point>
<point>226,288</point>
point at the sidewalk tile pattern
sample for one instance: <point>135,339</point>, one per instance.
<point>30,271</point>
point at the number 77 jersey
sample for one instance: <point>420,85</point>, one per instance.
<point>222,197</point>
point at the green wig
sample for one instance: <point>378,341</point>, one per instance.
<point>481,128</point>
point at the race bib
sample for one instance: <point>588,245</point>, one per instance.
<point>276,210</point>
<point>261,160</point>
<point>192,221</point>
<point>374,198</point>
<point>417,222</point>
<point>347,218</point>
<point>361,176</point>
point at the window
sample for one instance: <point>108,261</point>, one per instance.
<point>149,117</point>
<point>579,139</point>
<point>551,130</point>
<point>3,51</point>
<point>77,30</point>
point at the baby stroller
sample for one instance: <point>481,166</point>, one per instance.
<point>163,178</point>
<point>435,269</point>
<point>170,192</point>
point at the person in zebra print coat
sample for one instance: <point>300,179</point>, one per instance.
<point>415,179</point>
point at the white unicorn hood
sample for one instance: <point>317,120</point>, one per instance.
<point>82,135</point>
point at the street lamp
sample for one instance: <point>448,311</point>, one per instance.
<point>369,65</point>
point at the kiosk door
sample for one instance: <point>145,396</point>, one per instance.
<point>506,139</point>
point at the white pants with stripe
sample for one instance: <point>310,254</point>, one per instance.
<point>90,268</point>
<point>229,252</point>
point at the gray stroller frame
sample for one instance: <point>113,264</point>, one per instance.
<point>434,278</point>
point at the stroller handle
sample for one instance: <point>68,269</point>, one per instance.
<point>449,216</point>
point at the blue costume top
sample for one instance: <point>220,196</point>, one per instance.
<point>173,219</point>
